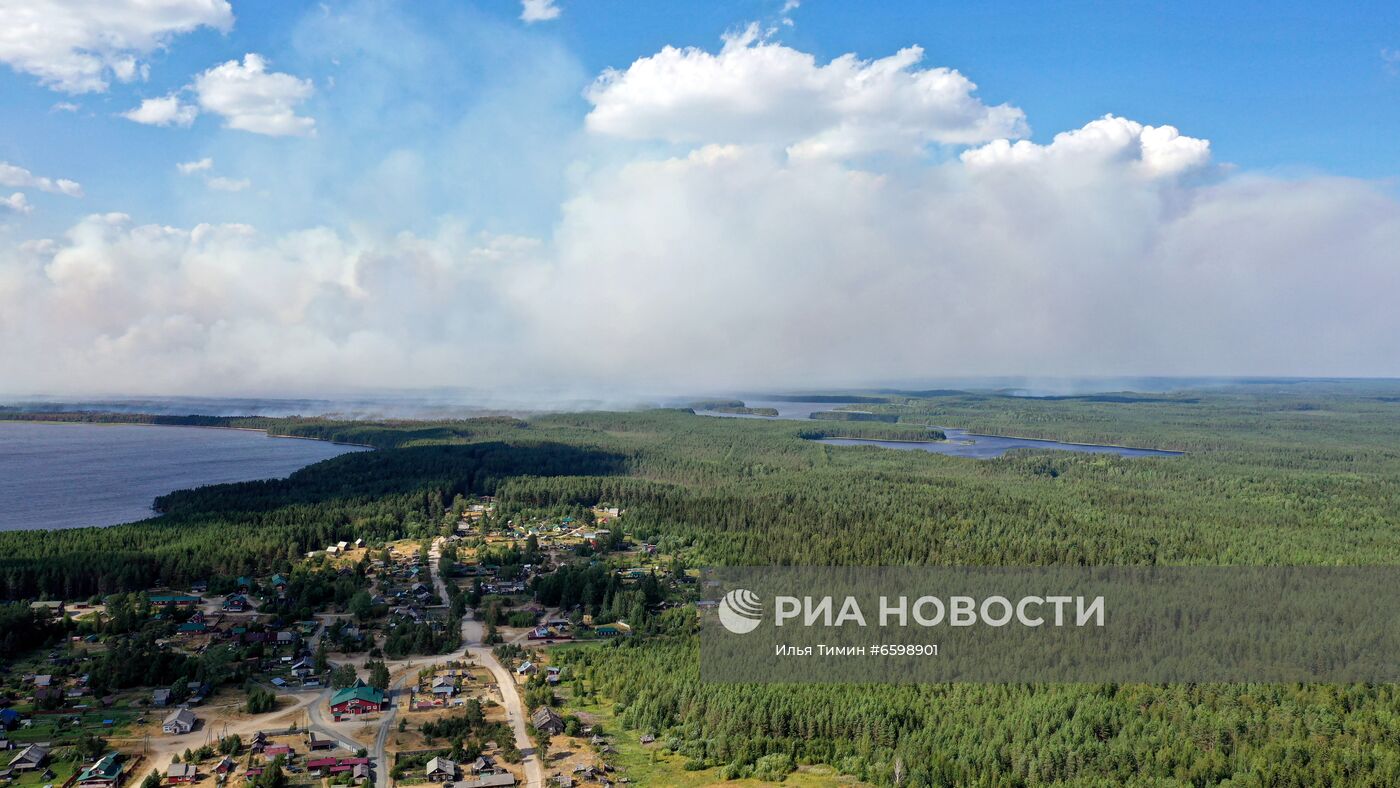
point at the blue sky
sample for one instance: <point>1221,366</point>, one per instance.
<point>262,196</point>
<point>1272,84</point>
<point>1278,86</point>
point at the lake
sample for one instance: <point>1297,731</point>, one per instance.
<point>800,411</point>
<point>72,475</point>
<point>960,443</point>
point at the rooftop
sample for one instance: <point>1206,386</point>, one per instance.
<point>365,694</point>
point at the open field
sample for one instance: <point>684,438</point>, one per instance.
<point>653,764</point>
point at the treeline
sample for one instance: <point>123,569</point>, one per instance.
<point>829,399</point>
<point>879,432</point>
<point>715,404</point>
<point>377,434</point>
<point>106,417</point>
<point>394,434</point>
<point>852,415</point>
<point>747,411</point>
<point>975,734</point>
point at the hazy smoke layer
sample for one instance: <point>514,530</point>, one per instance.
<point>866,221</point>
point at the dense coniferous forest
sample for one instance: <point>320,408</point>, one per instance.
<point>1024,734</point>
<point>1274,473</point>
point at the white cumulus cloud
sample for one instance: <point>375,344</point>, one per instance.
<point>78,46</point>
<point>1155,150</point>
<point>758,91</point>
<point>785,14</point>
<point>251,98</point>
<point>19,177</point>
<point>539,10</point>
<point>220,183</point>
<point>199,165</point>
<point>733,265</point>
<point>164,111</point>
<point>16,202</point>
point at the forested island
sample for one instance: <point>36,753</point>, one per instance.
<point>735,407</point>
<point>854,415</point>
<point>1274,474</point>
<point>830,399</point>
<point>716,404</point>
<point>747,411</point>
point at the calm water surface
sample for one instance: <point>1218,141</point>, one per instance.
<point>72,475</point>
<point>960,443</point>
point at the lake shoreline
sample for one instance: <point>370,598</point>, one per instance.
<point>1124,447</point>
<point>888,440</point>
<point>190,427</point>
<point>983,446</point>
<point>950,439</point>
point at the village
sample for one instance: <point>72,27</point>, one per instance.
<point>412,662</point>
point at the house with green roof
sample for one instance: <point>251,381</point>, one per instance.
<point>106,772</point>
<point>359,699</point>
<point>612,630</point>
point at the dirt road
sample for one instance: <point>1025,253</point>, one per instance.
<point>162,748</point>
<point>314,705</point>
<point>473,633</point>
